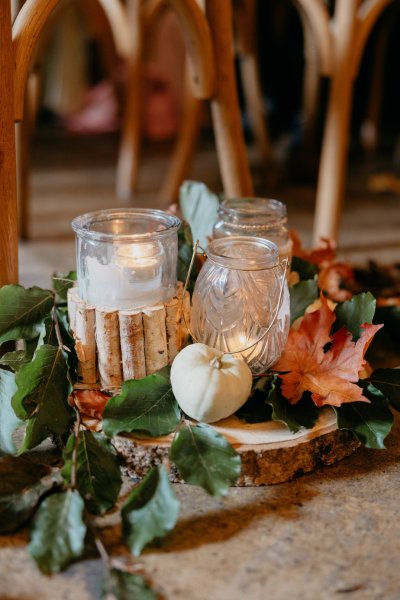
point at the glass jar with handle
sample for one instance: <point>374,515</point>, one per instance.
<point>241,300</point>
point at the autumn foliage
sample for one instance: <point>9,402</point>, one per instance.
<point>325,253</point>
<point>90,404</point>
<point>326,365</point>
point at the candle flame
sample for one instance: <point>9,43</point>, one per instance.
<point>137,255</point>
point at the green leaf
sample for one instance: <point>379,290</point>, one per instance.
<point>294,416</point>
<point>98,473</point>
<point>354,313</point>
<point>205,458</point>
<point>302,294</point>
<point>122,585</point>
<point>42,396</point>
<point>61,282</point>
<point>22,310</point>
<point>388,382</point>
<point>58,532</point>
<point>9,422</point>
<point>48,333</point>
<point>146,405</point>
<point>15,360</point>
<point>32,345</point>
<point>21,486</point>
<point>68,341</point>
<point>199,208</point>
<point>370,423</point>
<point>305,269</point>
<point>185,251</point>
<point>150,511</point>
<point>256,410</point>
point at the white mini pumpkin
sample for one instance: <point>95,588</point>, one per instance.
<point>208,384</point>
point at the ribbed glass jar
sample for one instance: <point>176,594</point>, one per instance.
<point>126,258</point>
<point>240,302</point>
<point>255,217</point>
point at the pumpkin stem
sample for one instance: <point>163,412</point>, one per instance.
<point>216,362</point>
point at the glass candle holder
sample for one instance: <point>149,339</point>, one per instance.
<point>255,217</point>
<point>126,258</point>
<point>241,300</point>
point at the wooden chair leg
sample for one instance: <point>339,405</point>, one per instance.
<point>24,131</point>
<point>249,69</point>
<point>311,87</point>
<point>370,125</point>
<point>100,28</point>
<point>353,22</point>
<point>22,151</point>
<point>330,188</point>
<point>128,159</point>
<point>245,15</point>
<point>225,109</point>
<point>184,147</point>
<point>8,184</point>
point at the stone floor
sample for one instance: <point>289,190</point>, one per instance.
<point>328,535</point>
<point>72,176</point>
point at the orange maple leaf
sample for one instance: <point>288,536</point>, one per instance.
<point>330,376</point>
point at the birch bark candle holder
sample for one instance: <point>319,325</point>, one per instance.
<point>113,346</point>
<point>125,316</point>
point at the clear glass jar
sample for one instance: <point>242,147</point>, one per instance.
<point>255,217</point>
<point>126,258</point>
<point>241,300</point>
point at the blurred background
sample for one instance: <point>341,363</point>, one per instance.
<point>78,107</point>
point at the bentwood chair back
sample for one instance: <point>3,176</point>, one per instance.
<point>105,20</point>
<point>339,41</point>
<point>217,41</point>
<point>18,44</point>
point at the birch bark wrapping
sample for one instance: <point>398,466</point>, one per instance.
<point>115,346</point>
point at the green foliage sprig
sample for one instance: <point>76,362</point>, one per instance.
<point>61,498</point>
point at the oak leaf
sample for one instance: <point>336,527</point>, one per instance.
<point>329,374</point>
<point>90,404</point>
<point>324,253</point>
<point>334,279</point>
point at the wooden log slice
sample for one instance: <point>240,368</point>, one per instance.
<point>262,464</point>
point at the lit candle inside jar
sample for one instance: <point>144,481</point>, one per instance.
<point>126,258</point>
<point>240,302</point>
<point>132,278</point>
<point>247,348</point>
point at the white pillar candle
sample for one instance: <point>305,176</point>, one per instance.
<point>132,277</point>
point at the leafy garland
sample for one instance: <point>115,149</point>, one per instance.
<point>64,488</point>
<point>79,477</point>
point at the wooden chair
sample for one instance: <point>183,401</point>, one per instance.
<point>8,183</point>
<point>339,41</point>
<point>214,30</point>
<point>18,44</point>
<point>209,44</point>
<point>106,23</point>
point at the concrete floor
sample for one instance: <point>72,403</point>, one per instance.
<point>331,534</point>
